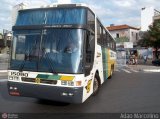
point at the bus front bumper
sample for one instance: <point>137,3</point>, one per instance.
<point>62,94</point>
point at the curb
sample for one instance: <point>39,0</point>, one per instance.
<point>145,68</point>
<point>151,70</point>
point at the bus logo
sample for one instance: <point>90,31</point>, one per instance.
<point>37,80</point>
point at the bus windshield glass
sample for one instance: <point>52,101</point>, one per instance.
<point>51,16</point>
<point>48,50</point>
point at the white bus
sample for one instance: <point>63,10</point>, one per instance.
<point>60,53</point>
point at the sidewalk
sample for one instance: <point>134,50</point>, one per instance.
<point>3,68</point>
<point>3,73</point>
<point>146,68</point>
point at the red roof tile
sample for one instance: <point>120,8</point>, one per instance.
<point>120,27</point>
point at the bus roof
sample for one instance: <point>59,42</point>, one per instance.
<point>57,5</point>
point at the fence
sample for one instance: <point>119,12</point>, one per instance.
<point>121,58</point>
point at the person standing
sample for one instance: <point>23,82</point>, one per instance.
<point>145,59</point>
<point>136,60</point>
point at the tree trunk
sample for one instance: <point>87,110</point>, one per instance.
<point>156,52</point>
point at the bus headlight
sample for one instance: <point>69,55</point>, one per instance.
<point>63,82</point>
<point>16,78</point>
<point>11,88</point>
<point>78,83</point>
<point>10,77</point>
<point>70,83</point>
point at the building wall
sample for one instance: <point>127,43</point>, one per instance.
<point>15,10</point>
<point>134,36</point>
<point>156,17</point>
<point>122,33</point>
<point>147,14</point>
<point>126,35</point>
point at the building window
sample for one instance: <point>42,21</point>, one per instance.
<point>132,33</point>
<point>91,20</point>
<point>117,35</point>
<point>136,36</point>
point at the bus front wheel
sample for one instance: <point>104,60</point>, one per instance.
<point>96,85</point>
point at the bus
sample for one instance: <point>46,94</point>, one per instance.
<point>60,52</point>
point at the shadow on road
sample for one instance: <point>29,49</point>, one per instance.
<point>4,94</point>
<point>53,103</point>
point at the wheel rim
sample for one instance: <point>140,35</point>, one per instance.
<point>96,85</point>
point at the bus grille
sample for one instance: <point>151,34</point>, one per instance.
<point>28,79</point>
<point>43,81</point>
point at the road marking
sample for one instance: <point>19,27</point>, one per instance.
<point>134,70</point>
<point>117,70</point>
<point>126,70</point>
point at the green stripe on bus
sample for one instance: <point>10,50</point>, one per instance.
<point>49,77</point>
<point>54,77</point>
<point>42,76</point>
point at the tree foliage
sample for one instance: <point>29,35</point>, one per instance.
<point>151,38</point>
<point>154,33</point>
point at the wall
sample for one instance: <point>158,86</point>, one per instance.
<point>146,18</point>
<point>122,33</point>
<point>133,38</point>
<point>126,35</point>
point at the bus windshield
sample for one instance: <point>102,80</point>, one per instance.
<point>48,50</point>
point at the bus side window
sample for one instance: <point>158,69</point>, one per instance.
<point>89,47</point>
<point>89,51</point>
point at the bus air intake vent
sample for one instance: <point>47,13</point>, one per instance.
<point>43,81</point>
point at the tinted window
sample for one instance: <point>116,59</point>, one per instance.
<point>91,20</point>
<point>52,16</point>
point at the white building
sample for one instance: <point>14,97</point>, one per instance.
<point>124,34</point>
<point>156,15</point>
<point>15,11</point>
<point>147,14</point>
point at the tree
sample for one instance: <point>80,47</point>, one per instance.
<point>151,38</point>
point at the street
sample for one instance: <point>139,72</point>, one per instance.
<point>132,91</point>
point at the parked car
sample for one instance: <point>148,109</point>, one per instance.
<point>156,62</point>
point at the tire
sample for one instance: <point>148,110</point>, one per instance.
<point>96,85</point>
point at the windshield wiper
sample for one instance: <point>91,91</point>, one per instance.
<point>41,54</point>
<point>27,57</point>
<point>49,61</point>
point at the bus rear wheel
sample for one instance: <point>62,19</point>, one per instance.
<point>111,72</point>
<point>96,85</point>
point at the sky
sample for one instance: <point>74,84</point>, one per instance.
<point>116,12</point>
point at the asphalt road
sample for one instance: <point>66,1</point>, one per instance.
<point>126,92</point>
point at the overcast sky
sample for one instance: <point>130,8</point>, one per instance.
<point>109,11</point>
